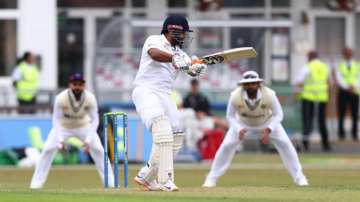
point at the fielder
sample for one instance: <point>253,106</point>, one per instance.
<point>254,108</point>
<point>75,114</point>
<point>161,61</point>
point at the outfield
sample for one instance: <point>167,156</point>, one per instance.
<point>250,178</point>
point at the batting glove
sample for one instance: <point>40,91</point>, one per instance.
<point>197,68</point>
<point>181,61</point>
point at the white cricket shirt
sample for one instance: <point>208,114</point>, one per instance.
<point>159,76</point>
<point>232,113</point>
<point>72,114</point>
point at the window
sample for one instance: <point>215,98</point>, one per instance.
<point>280,54</point>
<point>91,3</point>
<point>242,37</point>
<point>280,16</point>
<point>138,3</point>
<point>319,3</point>
<point>176,4</point>
<point>210,38</point>
<point>357,27</point>
<point>330,29</point>
<point>247,16</point>
<point>7,46</point>
<point>280,3</point>
<point>113,37</point>
<point>138,34</point>
<point>100,25</point>
<point>244,3</point>
<point>71,48</point>
<point>8,4</point>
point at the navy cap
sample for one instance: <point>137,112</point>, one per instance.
<point>178,22</point>
<point>76,77</point>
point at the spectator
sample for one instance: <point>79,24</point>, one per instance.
<point>197,100</point>
<point>191,126</point>
<point>26,81</point>
<point>347,76</point>
<point>208,130</point>
<point>313,80</point>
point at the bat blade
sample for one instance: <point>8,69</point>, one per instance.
<point>229,55</point>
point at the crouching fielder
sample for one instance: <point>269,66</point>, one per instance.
<point>75,114</point>
<point>254,108</point>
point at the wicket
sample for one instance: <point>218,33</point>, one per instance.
<point>110,121</point>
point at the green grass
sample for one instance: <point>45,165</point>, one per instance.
<point>250,178</point>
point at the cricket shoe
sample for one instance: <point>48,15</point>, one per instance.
<point>302,182</point>
<point>150,186</point>
<point>209,183</point>
<point>169,186</point>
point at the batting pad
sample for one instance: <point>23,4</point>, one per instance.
<point>163,138</point>
<point>149,172</point>
<point>161,130</point>
<point>178,142</point>
<point>166,164</point>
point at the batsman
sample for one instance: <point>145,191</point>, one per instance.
<point>162,59</point>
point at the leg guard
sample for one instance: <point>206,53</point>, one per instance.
<point>149,172</point>
<point>178,142</point>
<point>162,136</point>
<point>146,177</point>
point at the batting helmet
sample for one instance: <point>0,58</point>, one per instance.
<point>176,22</point>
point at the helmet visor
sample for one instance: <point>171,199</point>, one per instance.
<point>181,37</point>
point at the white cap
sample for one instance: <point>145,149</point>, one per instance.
<point>250,77</point>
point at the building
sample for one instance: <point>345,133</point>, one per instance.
<point>65,35</point>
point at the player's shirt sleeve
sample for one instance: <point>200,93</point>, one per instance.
<point>277,111</point>
<point>231,116</point>
<point>94,116</point>
<point>154,42</point>
<point>56,118</point>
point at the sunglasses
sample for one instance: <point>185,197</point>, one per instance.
<point>250,77</point>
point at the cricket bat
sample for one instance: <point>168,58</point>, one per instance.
<point>229,55</point>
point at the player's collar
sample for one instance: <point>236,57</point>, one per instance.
<point>76,105</point>
<point>164,39</point>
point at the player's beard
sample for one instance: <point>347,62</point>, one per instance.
<point>251,93</point>
<point>77,94</point>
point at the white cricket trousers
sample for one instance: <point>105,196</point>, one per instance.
<point>151,104</point>
<point>278,138</point>
<point>52,145</point>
